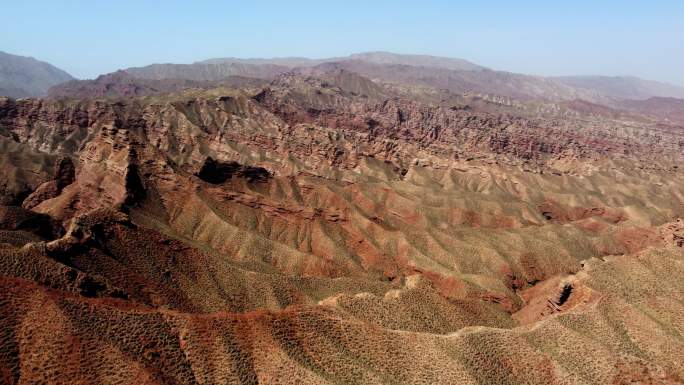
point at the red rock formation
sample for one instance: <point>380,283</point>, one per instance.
<point>326,229</point>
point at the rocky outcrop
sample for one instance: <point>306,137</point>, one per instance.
<point>216,172</point>
<point>339,121</point>
<point>63,176</point>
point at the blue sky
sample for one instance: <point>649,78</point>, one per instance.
<point>87,38</point>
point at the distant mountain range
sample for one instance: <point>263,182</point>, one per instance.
<point>123,84</point>
<point>22,76</point>
<point>377,57</point>
<point>623,87</point>
<point>455,75</point>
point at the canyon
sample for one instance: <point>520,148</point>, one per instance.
<point>346,221</point>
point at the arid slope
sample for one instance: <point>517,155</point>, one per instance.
<point>328,229</point>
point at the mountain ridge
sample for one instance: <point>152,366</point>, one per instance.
<point>440,72</point>
<point>616,86</point>
<point>23,76</point>
<point>378,57</point>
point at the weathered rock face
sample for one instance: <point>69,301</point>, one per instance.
<point>283,234</point>
<point>395,130</point>
<point>457,133</point>
<point>63,176</point>
<point>219,172</point>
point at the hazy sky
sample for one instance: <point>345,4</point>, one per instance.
<point>87,38</point>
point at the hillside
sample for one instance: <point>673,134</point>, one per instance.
<point>25,76</point>
<point>670,108</point>
<point>623,87</point>
<point>327,228</point>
